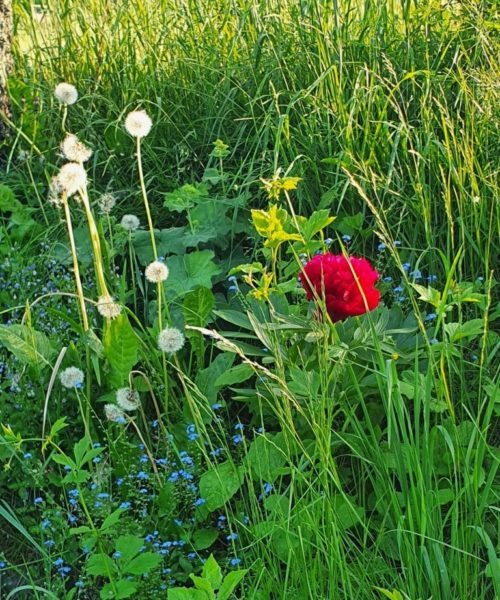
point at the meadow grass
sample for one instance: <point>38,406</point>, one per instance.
<point>388,111</point>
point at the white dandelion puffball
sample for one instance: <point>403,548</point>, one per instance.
<point>108,308</point>
<point>170,340</point>
<point>128,399</point>
<point>72,377</point>
<point>106,203</point>
<point>113,413</point>
<point>66,93</point>
<point>130,222</point>
<point>138,123</point>
<point>75,150</point>
<point>72,178</point>
<point>156,271</point>
<point>55,192</point>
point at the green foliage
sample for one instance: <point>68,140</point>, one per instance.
<point>120,349</point>
<point>218,485</point>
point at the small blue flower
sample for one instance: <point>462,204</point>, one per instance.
<point>232,278</point>
<point>398,289</point>
<point>142,476</point>
<point>191,431</point>
<point>416,274</point>
<point>38,500</point>
<point>381,247</point>
<point>178,522</point>
<point>96,460</point>
<point>346,238</point>
<point>45,523</point>
<point>119,481</point>
<point>406,266</point>
<point>216,406</point>
<point>239,426</point>
<point>3,564</point>
<point>430,317</point>
<point>59,562</point>
<point>397,243</point>
<point>27,455</point>
<point>432,278</point>
<point>234,562</point>
<point>388,279</point>
<point>232,288</point>
<point>200,502</point>
<point>192,555</point>
<point>117,554</point>
<point>474,357</point>
<point>103,495</point>
<point>125,505</point>
<point>49,543</point>
<point>231,537</point>
<point>80,584</point>
<point>237,439</point>
<point>328,241</point>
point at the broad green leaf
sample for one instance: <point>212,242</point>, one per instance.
<point>120,349</point>
<point>123,588</point>
<point>190,271</point>
<point>129,546</point>
<point>168,242</point>
<point>316,223</point>
<point>265,458</point>
<point>204,538</point>
<point>458,331</point>
<point>166,499</point>
<point>186,594</point>
<point>143,563</point>
<point>236,374</point>
<point>212,572</point>
<point>218,485</point>
<point>79,450</point>
<point>111,519</point>
<point>428,294</point>
<point>231,581</point>
<point>185,197</point>
<point>204,585</point>
<point>100,564</point>
<point>197,306</point>
<point>30,347</point>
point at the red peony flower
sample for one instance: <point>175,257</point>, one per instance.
<point>331,277</point>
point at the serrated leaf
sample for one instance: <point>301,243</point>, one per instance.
<point>120,349</point>
<point>204,538</point>
<point>129,546</point>
<point>111,519</point>
<point>100,564</point>
<point>218,485</point>
<point>143,563</point>
<point>265,458</point>
<point>190,271</point>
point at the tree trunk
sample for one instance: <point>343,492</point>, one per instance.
<point>5,58</point>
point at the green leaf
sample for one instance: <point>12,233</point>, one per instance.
<point>123,588</point>
<point>128,546</point>
<point>120,349</point>
<point>166,499</point>
<point>231,580</point>
<point>197,306</point>
<point>79,450</point>
<point>79,530</point>
<point>218,485</point>
<point>190,271</point>
<point>458,331</point>
<point>58,426</point>
<point>204,538</point>
<point>212,572</point>
<point>186,594</point>
<point>168,241</point>
<point>185,197</point>
<point>30,347</point>
<point>316,223</point>
<point>428,294</point>
<point>100,564</point>
<point>143,563</point>
<point>236,374</point>
<point>111,519</point>
<point>265,458</point>
<point>204,585</point>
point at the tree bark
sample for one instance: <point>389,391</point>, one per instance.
<point>5,59</point>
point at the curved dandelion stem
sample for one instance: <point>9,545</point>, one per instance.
<point>145,198</point>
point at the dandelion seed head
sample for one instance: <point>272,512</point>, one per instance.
<point>72,178</point>
<point>113,413</point>
<point>130,222</point>
<point>128,399</point>
<point>108,308</point>
<point>72,377</point>
<point>55,192</point>
<point>138,123</point>
<point>156,271</point>
<point>75,150</point>
<point>170,340</point>
<point>66,93</point>
<point>106,203</point>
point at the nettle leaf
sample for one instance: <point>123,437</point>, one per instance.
<point>190,271</point>
<point>218,485</point>
<point>143,563</point>
<point>29,346</point>
<point>212,572</point>
<point>265,458</point>
<point>120,349</point>
<point>100,564</point>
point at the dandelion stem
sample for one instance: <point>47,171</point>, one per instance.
<point>76,269</point>
<point>145,198</point>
